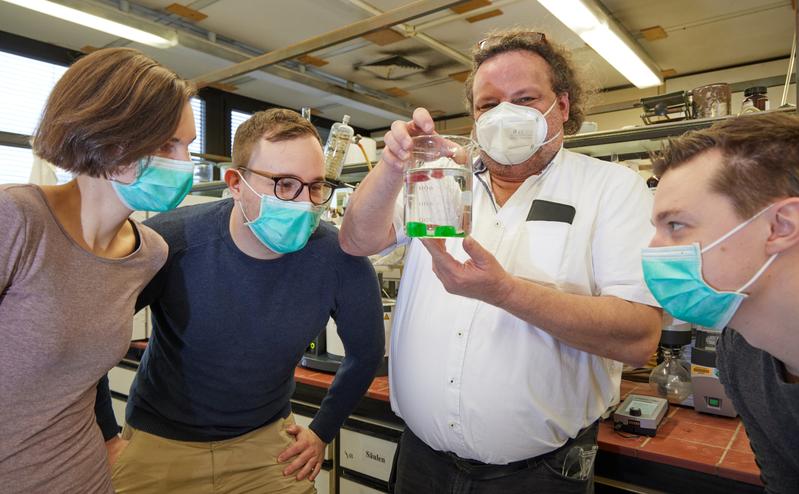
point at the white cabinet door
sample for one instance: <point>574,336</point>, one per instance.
<point>140,325</point>
<point>119,410</point>
<point>120,379</point>
<point>323,481</point>
<point>347,486</point>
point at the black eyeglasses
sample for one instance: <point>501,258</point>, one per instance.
<point>288,188</point>
<point>531,37</point>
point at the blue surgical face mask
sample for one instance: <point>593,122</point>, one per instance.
<point>283,226</point>
<point>674,276</point>
<point>161,185</point>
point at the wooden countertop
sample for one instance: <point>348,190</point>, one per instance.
<point>688,439</point>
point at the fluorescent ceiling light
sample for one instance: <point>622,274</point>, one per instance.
<point>95,22</point>
<point>596,29</point>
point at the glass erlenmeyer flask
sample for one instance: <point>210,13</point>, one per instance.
<point>670,379</point>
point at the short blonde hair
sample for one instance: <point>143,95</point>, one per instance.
<point>274,125</point>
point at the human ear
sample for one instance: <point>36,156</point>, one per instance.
<point>233,181</point>
<point>564,105</point>
<point>784,226</point>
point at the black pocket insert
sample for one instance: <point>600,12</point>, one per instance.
<point>551,211</point>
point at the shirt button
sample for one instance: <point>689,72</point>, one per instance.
<point>452,381</point>
<point>451,425</point>
<point>498,224</point>
<point>460,333</point>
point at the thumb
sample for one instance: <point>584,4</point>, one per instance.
<point>476,251</point>
<point>293,429</point>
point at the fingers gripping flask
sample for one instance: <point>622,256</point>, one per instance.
<point>336,147</point>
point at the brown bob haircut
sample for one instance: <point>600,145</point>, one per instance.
<point>561,71</point>
<point>274,125</point>
<point>760,158</point>
<point>111,108</point>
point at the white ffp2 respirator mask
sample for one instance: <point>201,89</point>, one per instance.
<point>510,134</point>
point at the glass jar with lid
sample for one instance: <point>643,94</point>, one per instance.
<point>755,99</point>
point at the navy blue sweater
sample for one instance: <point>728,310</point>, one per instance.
<point>228,331</point>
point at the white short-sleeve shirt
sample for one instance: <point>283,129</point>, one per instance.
<point>472,379</point>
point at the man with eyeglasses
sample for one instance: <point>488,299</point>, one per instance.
<point>506,346</point>
<point>249,282</point>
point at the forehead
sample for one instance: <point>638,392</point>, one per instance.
<point>511,69</point>
<point>688,186</point>
<point>301,156</point>
<point>186,128</point>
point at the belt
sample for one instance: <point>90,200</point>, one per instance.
<point>485,471</point>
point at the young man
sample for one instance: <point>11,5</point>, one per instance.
<point>504,346</point>
<point>726,254</point>
<point>249,282</point>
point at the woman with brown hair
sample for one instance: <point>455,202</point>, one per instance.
<point>72,262</point>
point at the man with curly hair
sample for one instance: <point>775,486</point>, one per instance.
<point>506,346</point>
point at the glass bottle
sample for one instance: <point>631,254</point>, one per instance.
<point>670,379</point>
<point>338,142</point>
<point>756,99</point>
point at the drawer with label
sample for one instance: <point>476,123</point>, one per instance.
<point>366,454</point>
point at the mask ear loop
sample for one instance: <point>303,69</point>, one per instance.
<point>253,191</point>
<point>551,106</point>
<point>732,232</point>
<point>735,230</point>
<point>758,274</point>
<point>549,110</point>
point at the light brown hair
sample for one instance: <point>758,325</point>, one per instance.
<point>760,156</point>
<point>111,108</point>
<point>561,71</point>
<point>274,125</point>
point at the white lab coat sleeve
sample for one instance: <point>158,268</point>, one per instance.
<point>623,228</point>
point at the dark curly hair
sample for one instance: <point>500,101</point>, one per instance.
<point>562,74</point>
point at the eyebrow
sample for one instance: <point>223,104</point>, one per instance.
<point>665,214</point>
<point>281,175</point>
<point>525,91</point>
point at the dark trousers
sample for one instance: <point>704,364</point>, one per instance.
<point>420,469</point>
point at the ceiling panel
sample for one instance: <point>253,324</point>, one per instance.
<point>702,34</point>
<point>25,22</point>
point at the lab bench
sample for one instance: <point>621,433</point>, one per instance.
<point>691,452</point>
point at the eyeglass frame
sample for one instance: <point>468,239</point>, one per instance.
<point>480,45</point>
<point>277,178</point>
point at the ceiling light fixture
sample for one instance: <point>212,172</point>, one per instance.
<point>609,40</point>
<point>96,22</point>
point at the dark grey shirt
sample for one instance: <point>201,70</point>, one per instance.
<point>769,408</point>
